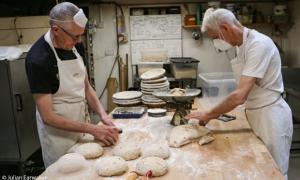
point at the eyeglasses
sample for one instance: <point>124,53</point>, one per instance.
<point>75,38</point>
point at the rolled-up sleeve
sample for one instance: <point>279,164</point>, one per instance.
<point>258,58</point>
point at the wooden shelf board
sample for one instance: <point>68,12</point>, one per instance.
<point>191,26</point>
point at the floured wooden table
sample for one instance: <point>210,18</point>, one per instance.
<point>236,152</point>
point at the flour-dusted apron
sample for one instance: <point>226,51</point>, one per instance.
<point>69,102</point>
<point>269,116</point>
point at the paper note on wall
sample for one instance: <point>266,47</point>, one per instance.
<point>151,33</point>
<point>155,27</point>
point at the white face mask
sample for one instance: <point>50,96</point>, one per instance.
<point>221,44</point>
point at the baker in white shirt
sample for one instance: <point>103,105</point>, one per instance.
<point>257,69</point>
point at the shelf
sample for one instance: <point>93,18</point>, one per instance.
<point>258,24</point>
<point>191,26</point>
<point>267,24</point>
<point>248,24</point>
<point>149,63</point>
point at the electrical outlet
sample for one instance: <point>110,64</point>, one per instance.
<point>101,25</point>
<point>109,52</point>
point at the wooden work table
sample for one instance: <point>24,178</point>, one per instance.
<point>236,152</point>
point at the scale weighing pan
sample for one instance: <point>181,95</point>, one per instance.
<point>179,101</point>
<point>190,94</point>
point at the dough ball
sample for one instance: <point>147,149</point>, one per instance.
<point>87,138</point>
<point>127,150</point>
<point>156,150</point>
<point>73,148</point>
<point>177,92</point>
<point>184,134</point>
<point>111,166</point>
<point>89,150</point>
<point>70,163</point>
<point>157,165</point>
<point>206,139</point>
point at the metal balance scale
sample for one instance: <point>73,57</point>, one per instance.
<point>183,104</point>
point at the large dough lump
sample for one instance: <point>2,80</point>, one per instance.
<point>184,134</point>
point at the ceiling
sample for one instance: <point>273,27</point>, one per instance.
<point>136,2</point>
<point>11,8</point>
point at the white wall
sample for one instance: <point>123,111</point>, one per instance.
<point>104,40</point>
<point>30,27</point>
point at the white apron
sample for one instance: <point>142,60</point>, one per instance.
<point>270,118</point>
<point>69,102</point>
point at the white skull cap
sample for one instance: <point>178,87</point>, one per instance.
<point>206,17</point>
<point>80,19</point>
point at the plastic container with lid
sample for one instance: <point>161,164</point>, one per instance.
<point>217,84</point>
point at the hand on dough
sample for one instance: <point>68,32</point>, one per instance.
<point>106,134</point>
<point>202,116</point>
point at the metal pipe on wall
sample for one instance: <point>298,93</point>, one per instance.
<point>123,82</point>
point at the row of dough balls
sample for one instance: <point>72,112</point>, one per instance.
<point>109,166</point>
<point>179,136</point>
<point>126,150</point>
<point>153,156</point>
<point>131,151</point>
<point>115,165</point>
<point>153,159</point>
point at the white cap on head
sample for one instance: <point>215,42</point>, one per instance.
<point>206,16</point>
<point>80,18</point>
<point>214,17</point>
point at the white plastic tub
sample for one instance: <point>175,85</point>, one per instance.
<point>217,84</point>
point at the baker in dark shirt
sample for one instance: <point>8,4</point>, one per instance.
<point>58,80</point>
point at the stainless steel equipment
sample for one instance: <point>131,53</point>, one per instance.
<point>185,71</point>
<point>18,132</point>
<point>189,96</point>
<point>182,103</point>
